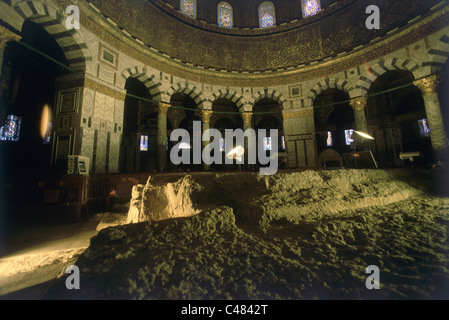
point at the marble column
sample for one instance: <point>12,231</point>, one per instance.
<point>247,117</point>
<point>359,106</point>
<point>429,89</point>
<point>162,109</point>
<point>205,118</point>
<point>5,36</point>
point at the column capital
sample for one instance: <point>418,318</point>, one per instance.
<point>247,116</point>
<point>205,115</point>
<point>428,85</point>
<point>163,107</point>
<point>358,104</point>
<point>7,35</point>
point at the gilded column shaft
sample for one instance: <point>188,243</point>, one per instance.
<point>359,106</point>
<point>429,89</point>
<point>205,118</point>
<point>247,117</point>
<point>162,135</point>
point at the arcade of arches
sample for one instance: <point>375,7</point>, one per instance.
<point>114,95</point>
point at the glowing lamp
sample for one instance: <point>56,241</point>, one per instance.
<point>237,152</point>
<point>45,120</point>
<point>364,135</point>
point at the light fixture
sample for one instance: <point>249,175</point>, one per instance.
<point>237,152</point>
<point>45,120</point>
<point>364,135</point>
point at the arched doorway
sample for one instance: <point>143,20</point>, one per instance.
<point>225,115</point>
<point>29,71</point>
<point>138,151</point>
<point>267,114</point>
<point>334,121</point>
<point>396,111</point>
<point>186,103</point>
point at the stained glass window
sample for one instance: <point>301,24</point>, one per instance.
<point>424,129</point>
<point>329,141</point>
<point>222,145</point>
<point>225,18</point>
<point>310,7</point>
<point>266,15</point>
<point>47,136</point>
<point>348,136</point>
<point>143,143</point>
<point>11,130</point>
<point>267,143</point>
<point>188,7</point>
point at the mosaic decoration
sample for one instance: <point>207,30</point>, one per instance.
<point>225,15</point>
<point>266,15</point>
<point>188,7</point>
<point>310,7</point>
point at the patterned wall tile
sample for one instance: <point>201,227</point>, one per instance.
<point>100,161</point>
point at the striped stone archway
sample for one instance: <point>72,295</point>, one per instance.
<point>325,84</point>
<point>146,78</point>
<point>392,64</point>
<point>268,93</point>
<point>52,20</point>
<point>228,94</point>
<point>188,89</point>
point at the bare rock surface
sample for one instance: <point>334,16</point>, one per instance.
<point>308,235</point>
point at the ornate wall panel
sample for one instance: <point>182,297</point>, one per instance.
<point>333,34</point>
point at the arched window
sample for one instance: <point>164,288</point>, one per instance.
<point>266,15</point>
<point>188,7</point>
<point>225,18</point>
<point>310,7</point>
